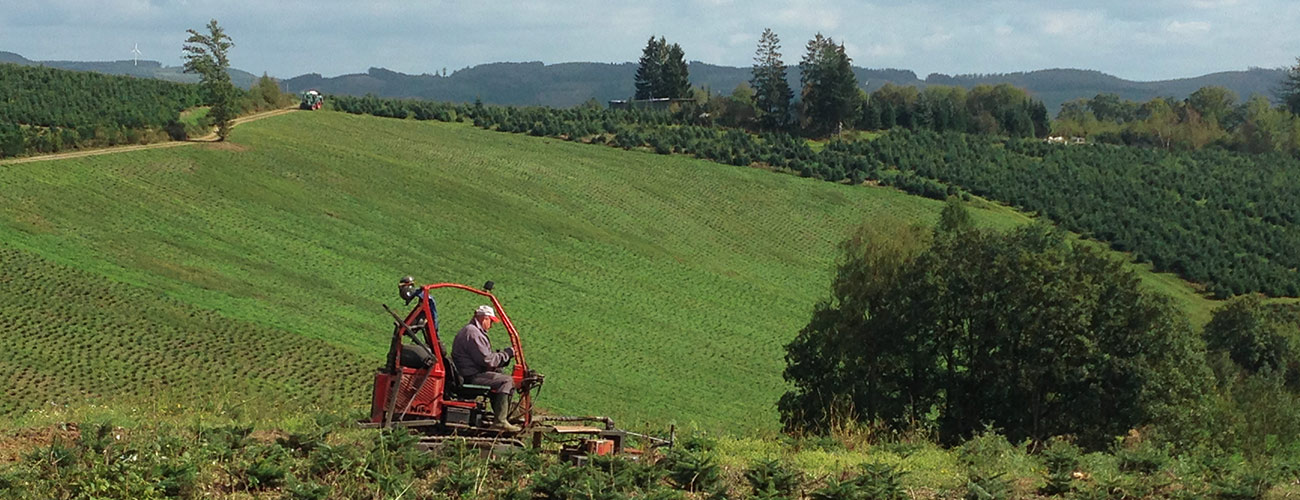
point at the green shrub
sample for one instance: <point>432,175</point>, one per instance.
<point>223,442</point>
<point>299,490</point>
<point>980,486</point>
<point>837,490</point>
<point>629,475</point>
<point>325,459</point>
<point>176,477</point>
<point>1061,457</point>
<point>302,443</point>
<point>693,470</point>
<point>267,467</point>
<point>881,482</point>
<point>1144,458</point>
<point>772,479</point>
<point>557,482</point>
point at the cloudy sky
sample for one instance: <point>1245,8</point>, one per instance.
<point>1134,39</point>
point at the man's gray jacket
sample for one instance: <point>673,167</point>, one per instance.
<point>472,354</point>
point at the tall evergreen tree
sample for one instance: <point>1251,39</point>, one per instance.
<point>676,77</point>
<point>205,54</point>
<point>830,90</point>
<point>649,75</point>
<point>772,92</point>
<point>662,71</point>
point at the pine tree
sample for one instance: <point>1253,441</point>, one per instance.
<point>649,76</point>
<point>662,71</point>
<point>676,77</point>
<point>772,92</point>
<point>830,89</point>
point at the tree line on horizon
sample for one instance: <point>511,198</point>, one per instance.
<point>1211,117</point>
<point>830,100</point>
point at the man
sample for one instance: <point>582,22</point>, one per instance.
<point>408,290</point>
<point>479,365</point>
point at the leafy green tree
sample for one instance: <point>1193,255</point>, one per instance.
<point>954,218</point>
<point>1020,330</point>
<point>205,54</point>
<point>772,92</point>
<point>1256,338</point>
<point>1004,109</point>
<point>1264,129</point>
<point>830,90</point>
<point>942,108</point>
<point>1109,107</point>
<point>1213,103</point>
<point>1160,120</point>
<point>266,94</point>
<point>897,104</point>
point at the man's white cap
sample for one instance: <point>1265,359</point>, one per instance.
<point>485,311</point>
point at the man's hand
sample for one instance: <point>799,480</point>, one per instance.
<point>510,353</point>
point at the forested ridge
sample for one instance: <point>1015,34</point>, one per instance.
<point>45,110</point>
<point>1224,219</point>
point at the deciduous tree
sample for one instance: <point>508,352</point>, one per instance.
<point>1020,330</point>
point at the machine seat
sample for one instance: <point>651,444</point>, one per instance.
<point>470,391</point>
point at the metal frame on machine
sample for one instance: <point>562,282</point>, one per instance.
<point>426,406</point>
<point>429,402</point>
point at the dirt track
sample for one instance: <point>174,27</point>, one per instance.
<point>136,147</point>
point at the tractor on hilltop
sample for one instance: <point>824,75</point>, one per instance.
<point>420,389</point>
<point>311,100</point>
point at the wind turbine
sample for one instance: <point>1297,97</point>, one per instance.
<point>135,55</point>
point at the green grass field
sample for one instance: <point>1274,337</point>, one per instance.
<point>71,336</point>
<point>651,288</point>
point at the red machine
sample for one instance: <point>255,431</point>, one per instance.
<point>419,388</point>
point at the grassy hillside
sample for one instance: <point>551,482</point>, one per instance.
<point>70,336</point>
<point>649,287</point>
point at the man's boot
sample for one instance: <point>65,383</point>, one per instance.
<point>501,409</point>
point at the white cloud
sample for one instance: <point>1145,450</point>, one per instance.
<point>881,50</point>
<point>811,16</point>
<point>1214,4</point>
<point>936,40</point>
<point>1187,27</point>
<point>1071,22</point>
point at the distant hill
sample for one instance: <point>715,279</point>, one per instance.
<point>569,84</point>
<point>1055,86</point>
<point>142,68</point>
